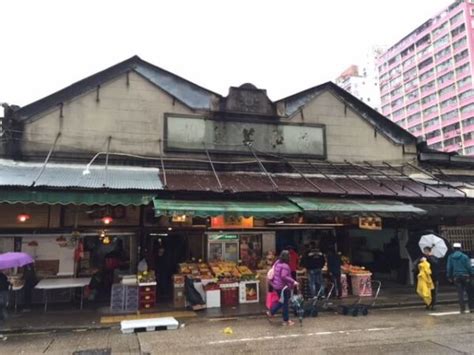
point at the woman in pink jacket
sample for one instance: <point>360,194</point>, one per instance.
<point>282,283</point>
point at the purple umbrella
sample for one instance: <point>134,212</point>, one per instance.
<point>10,260</point>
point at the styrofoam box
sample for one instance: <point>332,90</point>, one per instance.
<point>213,298</point>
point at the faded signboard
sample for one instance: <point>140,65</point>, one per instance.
<point>198,133</point>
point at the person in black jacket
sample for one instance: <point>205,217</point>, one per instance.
<point>314,262</point>
<point>434,265</point>
<point>4,289</point>
<point>334,268</point>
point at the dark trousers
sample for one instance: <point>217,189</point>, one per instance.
<point>276,307</point>
<point>434,293</point>
<point>463,285</point>
<point>336,279</point>
<point>28,290</point>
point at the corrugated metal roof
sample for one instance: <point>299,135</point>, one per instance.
<point>71,175</point>
<point>238,182</point>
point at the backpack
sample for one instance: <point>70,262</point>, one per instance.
<point>271,273</point>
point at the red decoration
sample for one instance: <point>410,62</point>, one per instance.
<point>33,243</point>
<point>107,220</point>
<point>23,217</point>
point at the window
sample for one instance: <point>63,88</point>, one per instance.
<point>468,122</point>
<point>467,80</point>
<point>466,94</point>
<point>423,41</point>
<point>458,30</point>
<point>456,18</point>
<point>468,136</point>
<point>384,87</point>
<point>428,87</point>
<point>447,90</point>
<point>436,146</point>
<point>411,84</point>
<point>408,62</point>
<point>428,98</point>
<point>445,78</point>
<point>449,115</point>
<point>397,113</point>
<point>467,108</point>
<point>441,42</point>
<point>412,95</point>
<point>469,150</point>
<point>386,109</point>
<point>433,134</point>
<point>415,129</point>
<point>459,43</point>
<point>384,77</point>
<point>462,69</point>
<point>440,29</point>
<point>451,128</point>
<point>395,71</point>
<point>443,66</point>
<point>460,56</point>
<point>410,73</point>
<point>385,98</point>
<point>430,123</point>
<point>396,92</point>
<point>425,63</point>
<point>427,74</point>
<point>424,52</point>
<point>442,53</point>
<point>413,106</point>
<point>413,118</point>
<point>397,102</point>
<point>430,110</point>
<point>448,102</point>
<point>395,82</point>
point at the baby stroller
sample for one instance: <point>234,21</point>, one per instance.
<point>362,308</point>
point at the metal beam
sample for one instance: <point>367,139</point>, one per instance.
<point>350,178</point>
<point>165,182</point>
<point>327,177</point>
<point>213,169</point>
<point>381,183</point>
<point>393,180</point>
<point>260,164</point>
<point>43,167</point>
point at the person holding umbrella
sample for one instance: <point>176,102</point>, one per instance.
<point>434,266</point>
<point>4,289</point>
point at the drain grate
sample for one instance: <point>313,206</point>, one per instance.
<point>104,351</point>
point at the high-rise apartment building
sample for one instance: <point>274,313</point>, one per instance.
<point>362,80</point>
<point>426,80</point>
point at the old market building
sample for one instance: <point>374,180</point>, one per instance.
<point>137,159</point>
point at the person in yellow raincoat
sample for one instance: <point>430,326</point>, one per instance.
<point>425,282</point>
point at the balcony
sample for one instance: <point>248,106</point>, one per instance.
<point>450,121</point>
<point>414,123</point>
<point>432,128</point>
<point>452,148</point>
<point>435,140</point>
<point>451,134</point>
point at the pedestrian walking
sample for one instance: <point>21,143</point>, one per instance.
<point>314,262</point>
<point>425,282</point>
<point>4,290</point>
<point>334,268</point>
<point>460,272</point>
<point>282,284</point>
<point>30,280</point>
<point>434,266</point>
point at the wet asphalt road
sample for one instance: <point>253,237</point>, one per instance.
<point>404,331</point>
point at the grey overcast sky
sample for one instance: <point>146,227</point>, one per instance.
<point>281,45</point>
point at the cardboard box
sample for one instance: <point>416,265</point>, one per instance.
<point>178,297</point>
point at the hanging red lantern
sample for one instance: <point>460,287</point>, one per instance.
<point>107,220</point>
<point>23,217</point>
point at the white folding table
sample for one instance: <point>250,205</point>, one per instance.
<point>54,284</point>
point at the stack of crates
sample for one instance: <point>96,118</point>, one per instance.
<point>124,298</point>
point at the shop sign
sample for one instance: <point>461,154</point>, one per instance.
<point>223,237</point>
<point>229,221</point>
<point>370,223</point>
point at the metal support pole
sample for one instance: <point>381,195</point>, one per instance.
<point>249,146</point>
<point>213,169</point>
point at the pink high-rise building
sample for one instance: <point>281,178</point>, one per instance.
<point>426,80</point>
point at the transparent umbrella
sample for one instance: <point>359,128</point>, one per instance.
<point>437,244</point>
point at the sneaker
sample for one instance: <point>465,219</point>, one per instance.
<point>269,314</point>
<point>289,323</point>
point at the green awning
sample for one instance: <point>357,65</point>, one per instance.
<point>334,207</point>
<point>75,198</point>
<point>261,209</point>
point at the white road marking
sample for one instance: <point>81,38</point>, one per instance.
<point>440,314</point>
<point>230,341</point>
